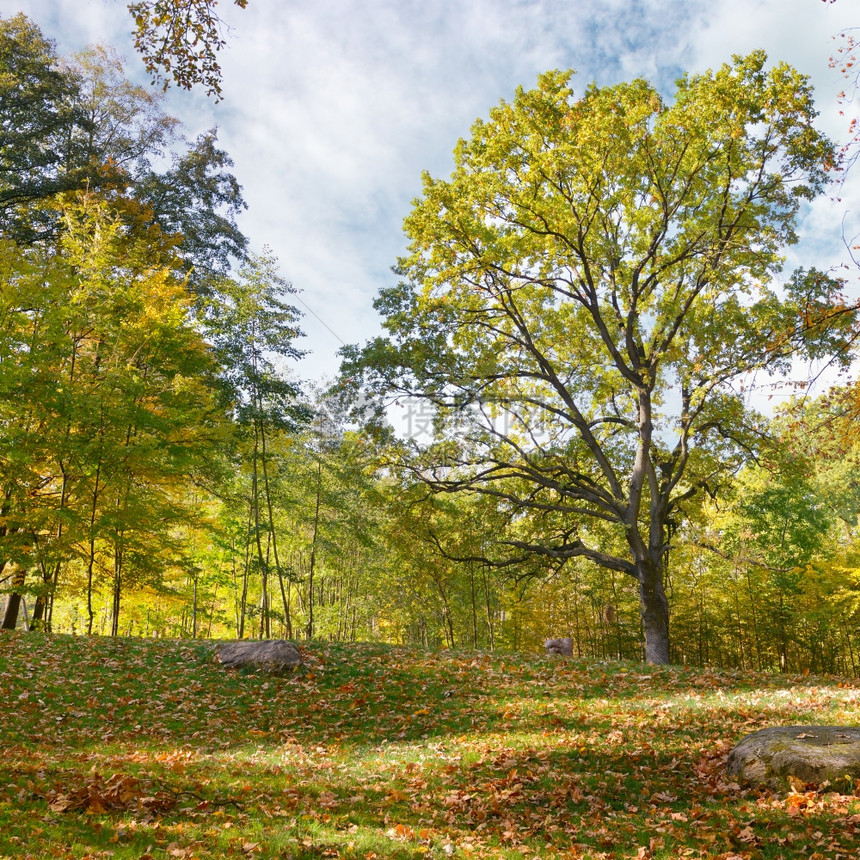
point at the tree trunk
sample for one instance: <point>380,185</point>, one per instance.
<point>474,606</point>
<point>655,613</point>
<point>39,609</point>
<point>10,616</point>
<point>90,611</point>
<point>309,632</point>
<point>194,610</point>
<point>490,627</point>
<point>847,636</point>
<point>13,601</point>
<point>117,590</point>
<point>212,611</point>
<point>44,608</point>
<point>447,620</point>
<point>262,559</point>
<point>288,622</point>
<point>243,604</point>
<point>92,549</point>
<point>49,610</point>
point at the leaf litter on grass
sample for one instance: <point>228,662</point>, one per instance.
<point>122,748</point>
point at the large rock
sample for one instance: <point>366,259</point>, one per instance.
<point>270,655</point>
<point>560,647</point>
<point>812,754</point>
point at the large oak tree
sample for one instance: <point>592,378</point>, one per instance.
<point>586,296</point>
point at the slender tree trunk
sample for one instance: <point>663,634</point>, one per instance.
<point>736,590</point>
<point>235,585</point>
<point>212,611</point>
<point>576,618</point>
<point>474,606</point>
<point>448,624</point>
<point>266,627</point>
<point>119,548</point>
<point>90,564</point>
<point>261,557</point>
<point>91,559</point>
<point>117,587</point>
<point>288,622</point>
<point>243,605</point>
<point>54,577</point>
<point>310,627</point>
<point>264,615</point>
<point>49,574</point>
<point>490,625</point>
<point>49,612</point>
<point>755,631</point>
<point>194,609</point>
<point>612,616</point>
<point>847,635</point>
<point>782,638</point>
<point>44,605</point>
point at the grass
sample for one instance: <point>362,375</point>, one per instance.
<point>146,749</point>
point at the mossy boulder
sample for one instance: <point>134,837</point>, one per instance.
<point>812,754</point>
<point>559,647</point>
<point>271,655</point>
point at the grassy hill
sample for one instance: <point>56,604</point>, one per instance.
<point>132,748</point>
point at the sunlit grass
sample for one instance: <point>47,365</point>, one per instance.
<point>372,751</point>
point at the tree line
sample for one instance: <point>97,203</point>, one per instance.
<point>583,307</point>
<point>139,333</point>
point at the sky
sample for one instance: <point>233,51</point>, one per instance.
<point>332,109</point>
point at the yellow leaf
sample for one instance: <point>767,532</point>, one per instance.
<point>797,785</point>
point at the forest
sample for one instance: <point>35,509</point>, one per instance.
<point>584,308</point>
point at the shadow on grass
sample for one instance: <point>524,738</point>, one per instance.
<point>391,752</point>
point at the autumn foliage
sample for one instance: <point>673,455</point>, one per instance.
<point>375,752</point>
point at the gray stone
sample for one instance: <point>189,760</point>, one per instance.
<point>560,647</point>
<point>812,754</point>
<point>270,655</point>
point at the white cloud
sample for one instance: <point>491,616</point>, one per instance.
<point>333,108</point>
